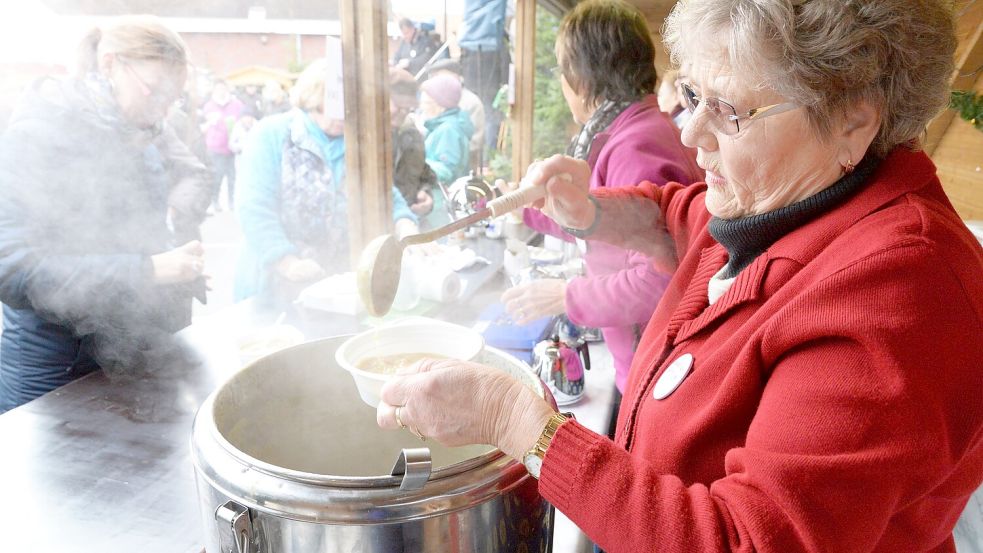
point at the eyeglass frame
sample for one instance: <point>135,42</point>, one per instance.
<point>145,89</point>
<point>751,115</point>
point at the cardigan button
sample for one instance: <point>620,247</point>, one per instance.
<point>673,376</point>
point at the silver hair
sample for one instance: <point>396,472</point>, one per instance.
<point>829,55</point>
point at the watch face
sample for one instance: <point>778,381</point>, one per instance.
<point>533,464</point>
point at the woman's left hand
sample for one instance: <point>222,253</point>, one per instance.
<point>460,403</point>
<point>536,299</point>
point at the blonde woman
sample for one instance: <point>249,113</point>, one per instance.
<point>292,203</point>
<point>100,198</point>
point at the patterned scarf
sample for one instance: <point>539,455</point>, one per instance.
<point>313,199</point>
<point>605,114</point>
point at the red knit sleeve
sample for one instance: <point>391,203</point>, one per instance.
<point>650,219</point>
<point>866,435</point>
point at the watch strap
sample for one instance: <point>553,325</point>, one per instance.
<point>584,233</point>
<point>546,437</point>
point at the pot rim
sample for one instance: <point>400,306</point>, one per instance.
<point>362,482</point>
<point>378,481</point>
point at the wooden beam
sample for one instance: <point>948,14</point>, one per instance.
<point>525,74</point>
<point>969,59</point>
<point>368,134</point>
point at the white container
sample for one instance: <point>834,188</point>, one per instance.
<point>416,336</point>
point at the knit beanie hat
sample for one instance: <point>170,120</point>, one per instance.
<point>444,89</point>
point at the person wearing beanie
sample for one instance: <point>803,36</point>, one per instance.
<point>448,133</point>
<point>470,102</point>
<point>445,90</point>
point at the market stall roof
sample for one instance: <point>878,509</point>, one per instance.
<point>259,75</point>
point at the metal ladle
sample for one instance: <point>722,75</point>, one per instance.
<point>381,260</point>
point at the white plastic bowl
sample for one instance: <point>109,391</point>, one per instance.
<point>416,336</point>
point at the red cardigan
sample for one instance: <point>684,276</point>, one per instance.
<point>835,402</point>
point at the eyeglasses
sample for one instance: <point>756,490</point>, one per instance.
<point>726,114</point>
<point>159,94</point>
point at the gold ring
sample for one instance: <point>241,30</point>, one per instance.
<point>398,420</point>
<point>416,433</point>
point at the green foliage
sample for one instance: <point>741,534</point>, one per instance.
<point>969,105</point>
<point>552,118</point>
<point>551,115</point>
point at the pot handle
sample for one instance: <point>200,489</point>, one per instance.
<point>237,517</point>
<point>415,466</point>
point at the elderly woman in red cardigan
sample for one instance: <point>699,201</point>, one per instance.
<point>811,380</point>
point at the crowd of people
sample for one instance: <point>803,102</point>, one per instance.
<point>791,302</point>
<point>100,251</point>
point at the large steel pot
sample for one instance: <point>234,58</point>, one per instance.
<point>288,459</point>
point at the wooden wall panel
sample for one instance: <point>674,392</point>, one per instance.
<point>525,75</point>
<point>969,58</point>
<point>954,144</point>
<point>959,158</point>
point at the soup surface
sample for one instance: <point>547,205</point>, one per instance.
<point>389,364</point>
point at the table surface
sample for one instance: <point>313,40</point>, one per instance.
<point>104,464</point>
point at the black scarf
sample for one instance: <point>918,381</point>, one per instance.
<point>603,116</point>
<point>747,237</point>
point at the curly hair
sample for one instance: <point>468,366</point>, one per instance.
<point>606,51</point>
<point>829,55</point>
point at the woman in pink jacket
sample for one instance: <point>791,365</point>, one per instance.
<point>606,59</point>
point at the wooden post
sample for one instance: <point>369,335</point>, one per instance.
<point>368,134</point>
<point>525,74</point>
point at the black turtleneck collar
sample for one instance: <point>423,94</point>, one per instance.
<point>745,238</point>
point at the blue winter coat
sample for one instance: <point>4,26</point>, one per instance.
<point>84,207</point>
<point>447,144</point>
<point>292,200</point>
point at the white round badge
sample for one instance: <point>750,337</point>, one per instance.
<point>675,373</point>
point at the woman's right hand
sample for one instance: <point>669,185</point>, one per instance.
<point>296,269</point>
<point>566,198</point>
<point>182,264</point>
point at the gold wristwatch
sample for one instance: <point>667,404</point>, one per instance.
<point>533,459</point>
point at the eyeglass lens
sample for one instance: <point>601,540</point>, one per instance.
<point>721,110</point>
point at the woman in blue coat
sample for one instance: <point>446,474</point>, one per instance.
<point>292,204</point>
<point>101,204</point>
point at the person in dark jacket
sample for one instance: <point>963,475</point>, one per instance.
<point>416,48</point>
<point>414,179</point>
<point>96,190</point>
